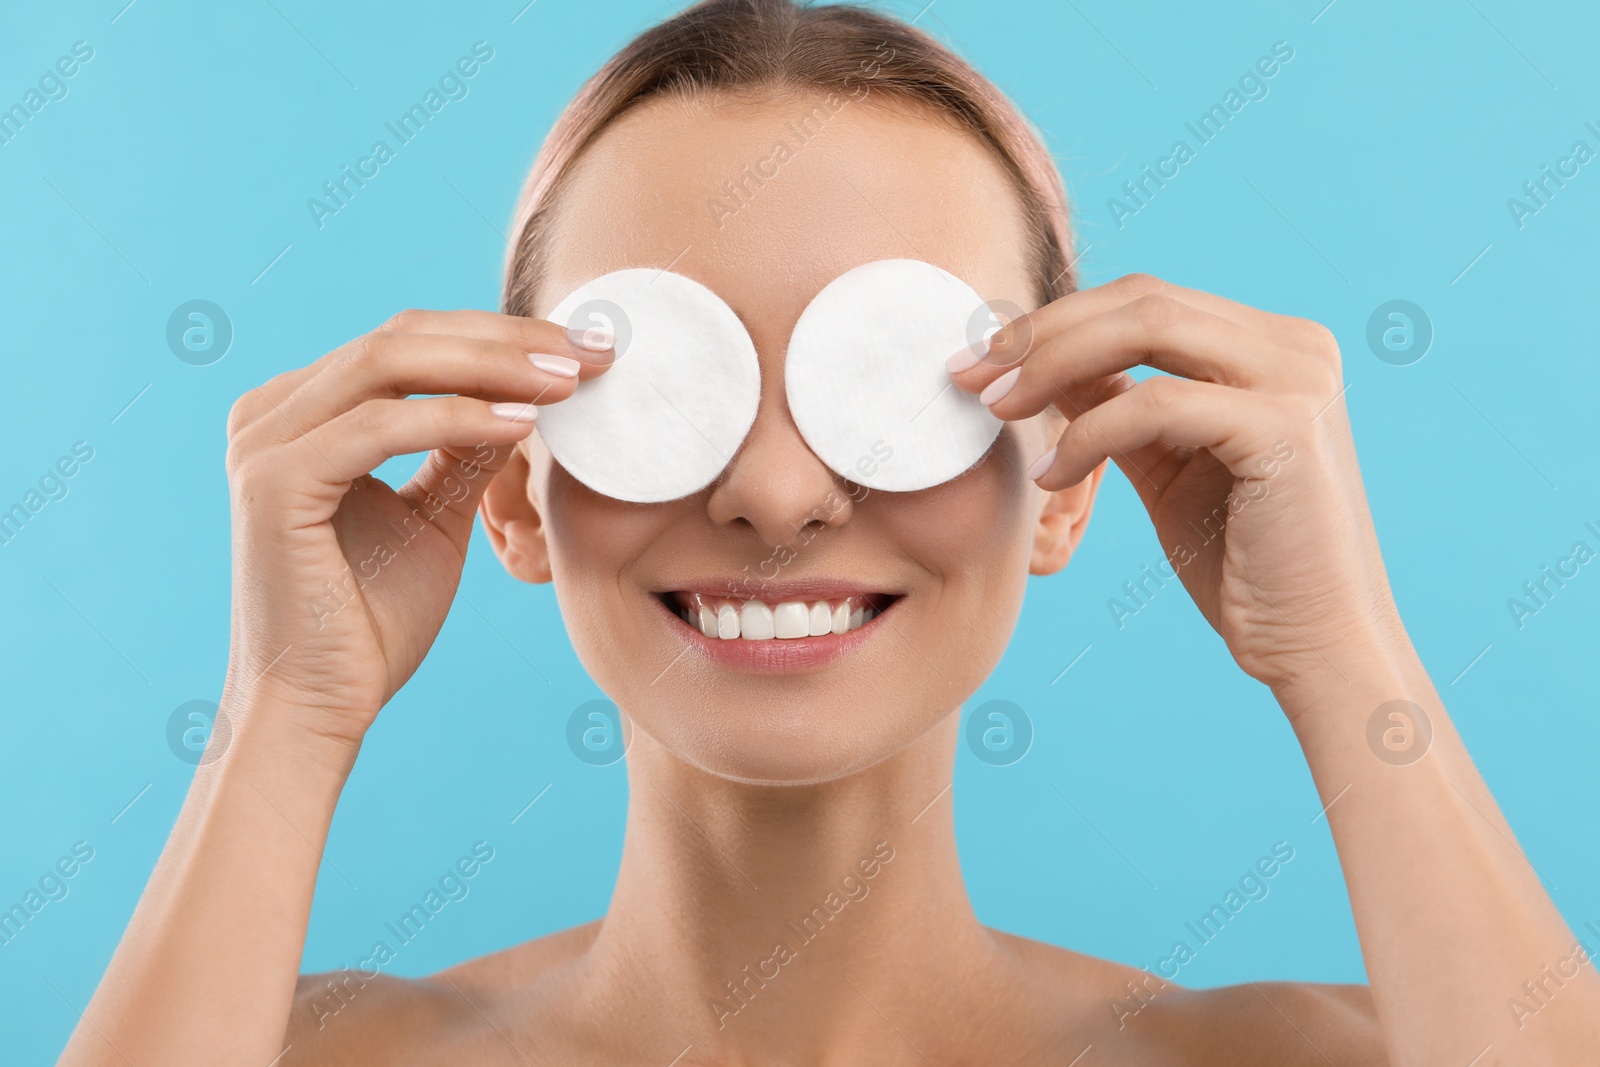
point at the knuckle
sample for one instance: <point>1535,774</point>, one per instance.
<point>1076,433</point>
<point>1157,311</point>
<point>241,414</point>
<point>366,418</point>
<point>407,320</point>
<point>1133,286</point>
<point>1318,339</point>
<point>245,471</point>
<point>1158,391</point>
<point>366,351</point>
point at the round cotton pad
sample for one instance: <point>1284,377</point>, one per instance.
<point>865,375</point>
<point>672,410</point>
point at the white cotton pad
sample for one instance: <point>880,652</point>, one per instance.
<point>865,375</point>
<point>669,414</point>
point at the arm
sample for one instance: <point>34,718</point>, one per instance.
<point>206,970</point>
<point>340,585</point>
<point>1242,455</point>
<point>1468,959</point>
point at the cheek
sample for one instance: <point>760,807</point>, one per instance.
<point>592,539</point>
<point>976,534</point>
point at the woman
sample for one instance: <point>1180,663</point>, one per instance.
<point>762,784</point>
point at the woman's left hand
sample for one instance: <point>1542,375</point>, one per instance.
<point>1241,453</point>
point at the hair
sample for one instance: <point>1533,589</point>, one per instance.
<point>779,45</point>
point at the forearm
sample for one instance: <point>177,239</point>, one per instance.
<point>1452,917</point>
<point>206,970</point>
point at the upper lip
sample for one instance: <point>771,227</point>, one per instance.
<point>773,591</point>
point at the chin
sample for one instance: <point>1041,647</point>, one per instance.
<point>784,742</point>
<point>777,710</point>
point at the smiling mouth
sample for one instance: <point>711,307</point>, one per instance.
<point>721,618</point>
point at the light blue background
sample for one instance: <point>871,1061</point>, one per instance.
<point>1378,167</point>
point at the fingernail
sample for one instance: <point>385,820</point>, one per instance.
<point>592,339</point>
<point>1037,468</point>
<point>997,389</point>
<point>560,366</point>
<point>515,412</point>
<point>968,357</point>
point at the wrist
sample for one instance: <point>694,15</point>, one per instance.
<point>266,727</point>
<point>1348,682</point>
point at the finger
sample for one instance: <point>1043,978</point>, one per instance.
<point>593,347</point>
<point>1236,425</point>
<point>352,444</point>
<point>1013,341</point>
<point>1154,331</point>
<point>388,364</point>
<point>450,483</point>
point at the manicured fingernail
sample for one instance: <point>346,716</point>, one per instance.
<point>968,357</point>
<point>997,389</point>
<point>1037,468</point>
<point>560,366</point>
<point>592,339</point>
<point>515,412</point>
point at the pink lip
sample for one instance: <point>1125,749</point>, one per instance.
<point>773,592</point>
<point>777,655</point>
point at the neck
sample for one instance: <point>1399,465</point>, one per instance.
<point>744,915</point>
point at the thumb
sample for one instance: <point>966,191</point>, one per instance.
<point>451,482</point>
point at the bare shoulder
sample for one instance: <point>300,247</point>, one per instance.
<point>1272,1023</point>
<point>357,1016</point>
<point>1118,1014</point>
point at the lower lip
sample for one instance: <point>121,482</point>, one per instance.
<point>777,654</point>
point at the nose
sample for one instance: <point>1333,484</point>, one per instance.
<point>777,485</point>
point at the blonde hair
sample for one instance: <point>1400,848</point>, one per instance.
<point>784,45</point>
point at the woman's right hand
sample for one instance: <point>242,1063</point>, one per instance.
<point>341,583</point>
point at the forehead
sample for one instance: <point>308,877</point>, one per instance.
<point>766,199</point>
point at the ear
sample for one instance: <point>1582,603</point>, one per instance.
<point>1062,520</point>
<point>511,519</point>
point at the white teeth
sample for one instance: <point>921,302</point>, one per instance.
<point>725,619</point>
<point>755,621</point>
<point>791,619</point>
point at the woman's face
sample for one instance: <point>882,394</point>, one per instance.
<point>946,566</point>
